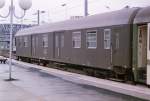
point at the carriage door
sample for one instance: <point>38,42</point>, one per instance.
<point>108,46</point>
<point>142,52</point>
<point>148,55</point>
<point>59,44</point>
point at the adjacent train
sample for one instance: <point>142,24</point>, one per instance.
<point>113,44</point>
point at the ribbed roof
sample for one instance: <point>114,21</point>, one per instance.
<point>123,16</point>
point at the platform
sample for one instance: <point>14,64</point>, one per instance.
<point>127,89</point>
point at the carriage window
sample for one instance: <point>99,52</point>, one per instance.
<point>45,41</point>
<point>91,39</point>
<point>62,40</point>
<point>107,39</point>
<point>76,39</point>
<point>25,41</point>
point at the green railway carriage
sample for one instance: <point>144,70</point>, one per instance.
<point>115,42</point>
<point>141,46</point>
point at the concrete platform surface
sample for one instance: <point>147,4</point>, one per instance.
<point>11,92</point>
<point>34,84</point>
<point>127,89</point>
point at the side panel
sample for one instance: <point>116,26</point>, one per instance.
<point>41,50</point>
<point>23,46</point>
<point>77,55</point>
<point>142,53</point>
<point>26,48</point>
<point>50,45</point>
<point>66,53</point>
<point>97,57</point>
<point>121,46</point>
<point>142,44</point>
<point>29,46</point>
<point>35,46</point>
<point>46,46</point>
<point>59,45</point>
<point>17,46</point>
<point>38,46</point>
<point>33,49</point>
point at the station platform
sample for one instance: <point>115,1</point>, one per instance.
<point>11,92</point>
<point>138,91</point>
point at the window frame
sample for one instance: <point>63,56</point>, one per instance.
<point>87,40</point>
<point>73,42</point>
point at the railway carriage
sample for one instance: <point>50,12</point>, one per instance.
<point>141,46</point>
<point>114,42</point>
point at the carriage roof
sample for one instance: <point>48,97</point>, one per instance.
<point>143,16</point>
<point>120,17</point>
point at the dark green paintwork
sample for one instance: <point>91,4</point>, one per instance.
<point>138,72</point>
<point>134,51</point>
